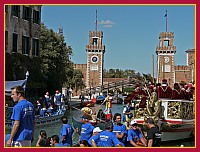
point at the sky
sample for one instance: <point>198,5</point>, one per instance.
<point>130,32</point>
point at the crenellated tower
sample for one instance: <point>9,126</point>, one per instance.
<point>95,58</point>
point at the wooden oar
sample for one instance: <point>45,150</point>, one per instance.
<point>99,106</point>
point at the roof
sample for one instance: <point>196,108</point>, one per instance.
<point>11,84</point>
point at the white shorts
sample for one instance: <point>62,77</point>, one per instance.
<point>21,143</point>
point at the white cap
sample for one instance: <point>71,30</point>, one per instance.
<point>133,122</point>
<point>97,129</point>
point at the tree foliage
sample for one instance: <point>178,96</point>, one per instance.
<point>55,54</point>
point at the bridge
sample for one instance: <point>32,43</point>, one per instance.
<point>114,86</point>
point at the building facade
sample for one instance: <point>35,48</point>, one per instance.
<point>95,59</point>
<point>22,29</point>
<point>166,68</point>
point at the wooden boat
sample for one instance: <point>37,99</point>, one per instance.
<point>87,102</point>
<point>175,118</point>
<point>39,121</point>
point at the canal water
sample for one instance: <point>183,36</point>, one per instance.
<point>54,129</point>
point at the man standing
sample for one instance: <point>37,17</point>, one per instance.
<point>127,115</point>
<point>23,120</point>
<point>153,134</point>
<point>66,132</point>
<point>119,129</point>
<point>86,131</point>
<point>47,99</point>
<point>106,138</point>
<point>58,100</point>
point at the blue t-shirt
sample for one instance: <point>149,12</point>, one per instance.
<point>134,135</point>
<point>66,131</point>
<point>86,131</point>
<point>58,98</point>
<point>120,129</point>
<point>24,112</point>
<point>106,139</point>
<point>42,112</point>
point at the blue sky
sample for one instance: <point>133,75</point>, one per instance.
<point>131,32</point>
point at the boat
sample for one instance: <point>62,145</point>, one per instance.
<point>78,113</point>
<point>55,117</point>
<point>88,102</point>
<point>175,118</point>
<point>39,121</point>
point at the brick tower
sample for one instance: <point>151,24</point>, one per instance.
<point>95,59</point>
<point>165,57</point>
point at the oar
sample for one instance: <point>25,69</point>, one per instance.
<point>76,108</point>
<point>100,105</point>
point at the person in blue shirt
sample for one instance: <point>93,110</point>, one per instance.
<point>135,137</point>
<point>95,132</point>
<point>119,129</point>
<point>106,138</point>
<point>23,120</point>
<point>127,112</point>
<point>58,100</point>
<point>66,132</point>
<point>43,111</point>
<point>47,99</point>
<point>86,131</point>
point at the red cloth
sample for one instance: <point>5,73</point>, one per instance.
<point>164,92</point>
<point>94,100</point>
<point>175,94</point>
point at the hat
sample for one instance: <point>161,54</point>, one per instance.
<point>175,84</point>
<point>137,85</point>
<point>133,123</point>
<point>164,82</point>
<point>150,120</point>
<point>84,117</point>
<point>97,129</point>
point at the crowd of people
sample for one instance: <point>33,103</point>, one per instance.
<point>50,105</point>
<point>114,133</point>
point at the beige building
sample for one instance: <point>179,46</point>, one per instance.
<point>22,29</point>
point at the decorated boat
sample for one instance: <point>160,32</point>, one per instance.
<point>175,118</point>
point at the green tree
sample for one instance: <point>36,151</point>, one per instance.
<point>55,54</point>
<point>76,82</point>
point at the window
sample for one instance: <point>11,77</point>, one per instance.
<point>6,40</point>
<point>26,13</point>
<point>14,47</point>
<point>166,42</point>
<point>36,16</point>
<point>35,48</point>
<point>25,45</point>
<point>15,10</point>
<point>95,40</point>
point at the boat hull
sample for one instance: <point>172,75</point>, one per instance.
<point>175,119</point>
